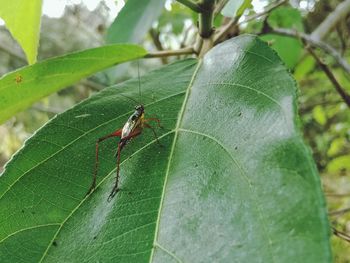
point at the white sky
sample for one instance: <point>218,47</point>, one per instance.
<point>55,8</point>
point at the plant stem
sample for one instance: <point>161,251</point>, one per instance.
<point>341,235</point>
<point>234,21</point>
<point>341,11</point>
<point>331,77</point>
<point>206,18</point>
<point>168,53</point>
<point>317,43</point>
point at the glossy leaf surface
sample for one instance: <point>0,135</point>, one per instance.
<point>232,181</point>
<point>22,18</point>
<point>21,88</point>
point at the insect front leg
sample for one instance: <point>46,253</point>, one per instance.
<point>114,134</point>
<point>156,120</point>
<point>154,133</point>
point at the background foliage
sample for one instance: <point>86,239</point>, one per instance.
<point>325,118</point>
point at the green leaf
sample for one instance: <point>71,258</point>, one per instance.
<point>339,164</point>
<point>304,68</point>
<point>22,18</point>
<point>21,88</point>
<point>233,179</point>
<point>288,48</point>
<point>286,17</point>
<point>134,21</point>
<point>319,114</point>
<point>234,8</point>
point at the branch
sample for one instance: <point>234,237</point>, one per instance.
<point>316,43</point>
<point>340,234</point>
<point>339,212</point>
<point>168,53</point>
<point>191,5</point>
<point>234,22</point>
<point>265,12</point>
<point>156,41</point>
<point>206,18</point>
<point>331,77</point>
<point>331,20</point>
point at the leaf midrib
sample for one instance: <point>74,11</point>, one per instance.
<point>179,121</point>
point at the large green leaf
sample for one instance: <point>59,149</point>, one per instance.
<point>22,18</point>
<point>21,88</point>
<point>232,182</point>
<point>134,21</point>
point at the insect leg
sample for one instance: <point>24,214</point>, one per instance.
<point>121,144</point>
<point>117,133</point>
<point>156,120</point>
<point>154,133</point>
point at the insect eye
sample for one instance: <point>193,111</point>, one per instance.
<point>133,117</point>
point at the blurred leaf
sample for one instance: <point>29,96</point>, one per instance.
<point>234,8</point>
<point>233,179</point>
<point>304,67</point>
<point>336,146</point>
<point>23,87</point>
<point>175,17</point>
<point>339,164</point>
<point>22,18</point>
<point>319,115</point>
<point>289,49</point>
<point>134,20</point>
<point>286,17</point>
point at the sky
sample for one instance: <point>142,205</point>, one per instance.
<point>55,8</point>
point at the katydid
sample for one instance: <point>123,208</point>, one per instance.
<point>131,129</point>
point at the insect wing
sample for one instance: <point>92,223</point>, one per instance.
<point>128,127</point>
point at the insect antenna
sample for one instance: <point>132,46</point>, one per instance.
<point>138,75</point>
<point>129,98</point>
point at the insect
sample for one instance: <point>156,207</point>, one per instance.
<point>18,79</point>
<point>131,129</point>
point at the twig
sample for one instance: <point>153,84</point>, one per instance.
<point>340,234</point>
<point>219,6</point>
<point>331,20</point>
<point>265,12</point>
<point>317,43</point>
<point>222,32</point>
<point>168,53</point>
<point>191,5</point>
<point>155,37</point>
<point>331,77</point>
<point>337,195</point>
<point>339,212</point>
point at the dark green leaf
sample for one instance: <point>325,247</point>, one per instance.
<point>23,87</point>
<point>134,21</point>
<point>232,182</point>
